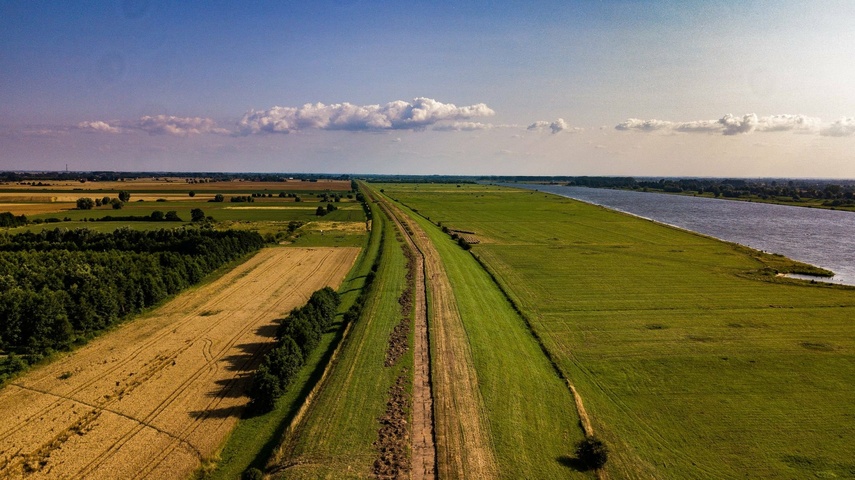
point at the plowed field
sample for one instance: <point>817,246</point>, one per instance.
<point>158,395</point>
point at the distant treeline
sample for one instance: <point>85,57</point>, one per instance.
<point>834,192</point>
<point>192,177</point>
<point>58,287</point>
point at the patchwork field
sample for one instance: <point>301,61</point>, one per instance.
<point>693,362</point>
<point>158,395</point>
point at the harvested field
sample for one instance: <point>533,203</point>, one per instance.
<point>159,395</point>
<point>34,208</point>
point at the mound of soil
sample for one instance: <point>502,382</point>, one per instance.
<point>393,437</point>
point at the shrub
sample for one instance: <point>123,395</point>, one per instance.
<point>592,452</point>
<point>252,474</point>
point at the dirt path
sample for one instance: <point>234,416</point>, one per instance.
<point>158,395</point>
<point>463,447</point>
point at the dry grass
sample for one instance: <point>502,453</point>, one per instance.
<point>156,397</point>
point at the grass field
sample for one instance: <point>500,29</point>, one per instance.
<point>530,412</point>
<point>691,365</point>
<point>335,440</point>
<point>54,207</point>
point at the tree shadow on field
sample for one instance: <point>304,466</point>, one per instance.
<point>268,330</point>
<point>232,387</point>
<point>218,413</point>
<point>249,358</point>
<point>573,462</point>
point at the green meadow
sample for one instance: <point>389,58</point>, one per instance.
<point>693,359</point>
<point>530,411</point>
<point>267,216</point>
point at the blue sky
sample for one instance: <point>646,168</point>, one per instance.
<point>715,88</point>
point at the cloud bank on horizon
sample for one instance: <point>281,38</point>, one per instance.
<point>398,115</point>
<point>748,123</point>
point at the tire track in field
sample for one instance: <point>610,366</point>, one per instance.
<point>211,362</point>
<point>157,364</point>
<point>143,347</point>
<point>463,443</point>
<point>199,344</point>
<point>232,383</point>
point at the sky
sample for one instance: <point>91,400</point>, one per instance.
<point>644,88</point>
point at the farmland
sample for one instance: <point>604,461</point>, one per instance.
<point>691,362</point>
<point>169,384</point>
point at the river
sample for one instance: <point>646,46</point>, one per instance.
<point>825,238</point>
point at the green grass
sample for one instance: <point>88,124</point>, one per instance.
<point>254,439</point>
<point>530,411</point>
<point>265,216</point>
<point>335,439</point>
<point>691,364</point>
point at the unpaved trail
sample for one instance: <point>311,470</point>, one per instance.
<point>158,395</point>
<point>463,445</point>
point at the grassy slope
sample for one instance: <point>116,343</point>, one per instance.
<point>530,411</point>
<point>253,440</point>
<point>335,439</point>
<point>689,367</point>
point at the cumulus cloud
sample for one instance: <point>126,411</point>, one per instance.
<point>157,125</point>
<point>728,124</point>
<point>841,128</point>
<point>98,127</point>
<point>557,126</point>
<point>178,126</point>
<point>398,115</point>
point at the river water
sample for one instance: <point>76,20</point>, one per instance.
<point>825,238</point>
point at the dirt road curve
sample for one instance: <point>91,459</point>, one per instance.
<point>158,395</point>
<point>463,445</point>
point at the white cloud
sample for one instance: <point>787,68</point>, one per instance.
<point>463,127</point>
<point>178,126</point>
<point>157,125</point>
<point>736,125</point>
<point>557,126</point>
<point>98,127</point>
<point>728,124</point>
<point>841,128</point>
<point>397,115</point>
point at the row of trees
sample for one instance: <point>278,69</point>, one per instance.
<point>296,337</point>
<point>59,287</point>
<point>8,219</point>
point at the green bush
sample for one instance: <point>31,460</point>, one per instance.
<point>592,452</point>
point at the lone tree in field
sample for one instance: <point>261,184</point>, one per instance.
<point>124,196</point>
<point>197,215</point>
<point>592,452</point>
<point>192,194</point>
<point>321,211</point>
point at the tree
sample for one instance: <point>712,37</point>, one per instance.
<point>592,452</point>
<point>157,215</point>
<point>197,215</point>
<point>321,211</point>
<point>172,216</point>
<point>192,194</point>
<point>85,203</point>
<point>265,390</point>
<point>105,201</point>
<point>219,197</point>
<point>124,196</point>
<point>117,204</point>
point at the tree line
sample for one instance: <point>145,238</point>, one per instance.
<point>296,338</point>
<point>59,287</point>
